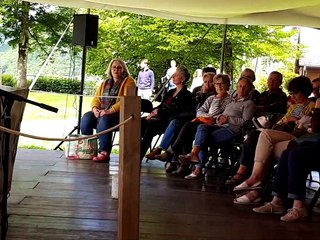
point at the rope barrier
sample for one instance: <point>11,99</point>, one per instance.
<point>75,95</point>
<point>66,139</point>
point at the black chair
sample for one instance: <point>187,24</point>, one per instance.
<point>316,190</point>
<point>225,157</point>
<point>146,107</point>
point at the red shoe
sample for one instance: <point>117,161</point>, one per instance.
<point>102,157</point>
<point>151,155</point>
<point>189,158</point>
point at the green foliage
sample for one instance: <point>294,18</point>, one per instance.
<point>58,85</point>
<point>45,24</point>
<point>9,80</point>
<point>29,27</point>
<point>134,37</point>
<point>288,74</point>
<point>33,147</point>
<point>54,84</point>
<point>262,84</point>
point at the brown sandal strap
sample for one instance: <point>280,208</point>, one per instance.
<point>235,180</point>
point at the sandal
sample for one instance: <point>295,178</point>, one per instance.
<point>236,179</point>
<point>245,200</point>
<point>245,187</point>
<point>251,197</point>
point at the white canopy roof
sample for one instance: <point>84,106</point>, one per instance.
<point>251,12</point>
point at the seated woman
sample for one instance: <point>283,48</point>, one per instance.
<point>213,106</point>
<point>271,141</point>
<point>272,103</point>
<point>176,104</point>
<point>228,126</point>
<point>290,182</point>
<point>105,110</point>
<point>207,89</point>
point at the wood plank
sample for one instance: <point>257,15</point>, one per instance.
<point>129,170</point>
<point>73,201</point>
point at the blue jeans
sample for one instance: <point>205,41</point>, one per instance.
<point>90,122</point>
<point>293,168</point>
<point>211,136</point>
<point>171,133</point>
<point>184,140</point>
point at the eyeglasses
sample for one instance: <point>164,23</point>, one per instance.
<point>114,68</point>
<point>220,84</point>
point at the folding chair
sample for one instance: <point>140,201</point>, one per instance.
<point>225,157</point>
<point>316,190</point>
<point>146,107</point>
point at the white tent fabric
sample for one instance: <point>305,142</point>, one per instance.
<point>251,12</point>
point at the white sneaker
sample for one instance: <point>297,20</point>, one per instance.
<point>196,174</point>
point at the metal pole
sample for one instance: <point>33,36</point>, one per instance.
<point>48,58</point>
<point>5,168</point>
<point>83,73</point>
<point>223,48</point>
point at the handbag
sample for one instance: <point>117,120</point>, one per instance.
<point>81,149</point>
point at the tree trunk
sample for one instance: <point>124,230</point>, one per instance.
<point>228,64</point>
<point>23,46</point>
<point>0,72</point>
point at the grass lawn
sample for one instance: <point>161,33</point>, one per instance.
<point>67,105</point>
<point>41,122</point>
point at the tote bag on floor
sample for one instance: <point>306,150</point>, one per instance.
<point>81,149</point>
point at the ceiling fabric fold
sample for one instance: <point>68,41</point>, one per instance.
<point>239,12</point>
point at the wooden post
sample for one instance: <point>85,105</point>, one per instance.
<point>129,169</point>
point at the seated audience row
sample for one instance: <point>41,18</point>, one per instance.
<point>212,107</point>
<point>294,122</point>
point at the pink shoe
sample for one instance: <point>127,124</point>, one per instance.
<point>102,157</point>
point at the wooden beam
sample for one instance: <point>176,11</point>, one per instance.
<point>129,170</point>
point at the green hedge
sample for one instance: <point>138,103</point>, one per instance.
<point>59,85</point>
<point>52,84</point>
<point>9,80</point>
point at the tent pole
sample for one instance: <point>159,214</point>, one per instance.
<point>223,47</point>
<point>48,58</point>
<point>182,62</point>
<point>83,74</point>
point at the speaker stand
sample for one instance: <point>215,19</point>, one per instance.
<point>83,73</point>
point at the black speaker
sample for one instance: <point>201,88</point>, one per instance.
<point>85,30</point>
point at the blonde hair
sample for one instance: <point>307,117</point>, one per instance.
<point>125,70</point>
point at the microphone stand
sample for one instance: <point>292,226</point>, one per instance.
<point>8,101</point>
<point>161,89</point>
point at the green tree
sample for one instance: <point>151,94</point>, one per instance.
<point>134,37</point>
<point>31,27</point>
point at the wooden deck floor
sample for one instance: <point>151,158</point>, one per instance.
<point>55,198</point>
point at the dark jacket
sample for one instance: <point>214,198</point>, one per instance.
<point>178,107</point>
<point>273,102</point>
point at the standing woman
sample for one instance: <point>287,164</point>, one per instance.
<point>105,107</point>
